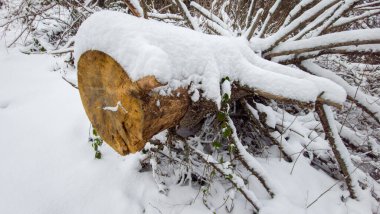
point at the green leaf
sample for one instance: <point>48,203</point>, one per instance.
<point>229,176</point>
<point>98,155</point>
<point>225,98</point>
<point>225,78</point>
<point>95,146</point>
<point>98,141</point>
<point>94,132</point>
<point>216,144</point>
<point>224,125</point>
<point>221,116</point>
<point>227,132</point>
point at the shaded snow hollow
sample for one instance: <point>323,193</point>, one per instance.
<point>179,56</point>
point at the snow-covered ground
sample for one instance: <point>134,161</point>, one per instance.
<point>47,165</point>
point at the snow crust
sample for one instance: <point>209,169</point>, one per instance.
<point>179,57</point>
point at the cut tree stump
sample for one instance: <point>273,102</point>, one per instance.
<point>126,114</point>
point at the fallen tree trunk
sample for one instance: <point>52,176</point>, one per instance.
<point>126,114</point>
<point>117,76</point>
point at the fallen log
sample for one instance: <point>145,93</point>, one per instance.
<point>121,77</point>
<point>126,114</point>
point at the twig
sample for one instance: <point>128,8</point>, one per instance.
<point>72,84</point>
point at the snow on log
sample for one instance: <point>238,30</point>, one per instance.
<point>137,77</point>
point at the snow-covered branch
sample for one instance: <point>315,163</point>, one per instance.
<point>347,20</point>
<point>298,23</point>
<point>366,102</point>
<point>186,14</point>
<point>340,151</point>
<point>347,38</point>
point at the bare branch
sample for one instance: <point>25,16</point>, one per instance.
<point>269,17</point>
<point>255,23</point>
<point>368,4</point>
<point>297,24</point>
<point>347,20</point>
<point>206,13</point>
<point>186,14</point>
<point>297,10</point>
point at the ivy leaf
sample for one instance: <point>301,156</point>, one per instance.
<point>216,144</point>
<point>95,146</point>
<point>227,132</point>
<point>225,98</point>
<point>94,132</point>
<point>221,116</point>
<point>98,155</point>
<point>229,176</point>
<point>225,78</point>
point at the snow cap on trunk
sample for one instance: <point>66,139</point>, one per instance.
<point>178,56</point>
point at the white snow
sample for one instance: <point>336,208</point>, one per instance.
<point>252,162</point>
<point>47,165</point>
<point>354,92</point>
<point>138,7</point>
<point>178,56</point>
